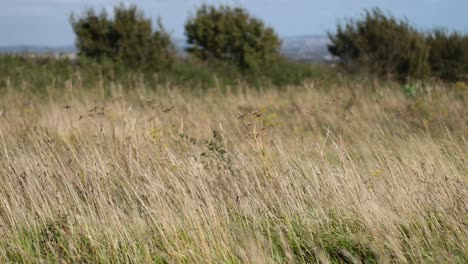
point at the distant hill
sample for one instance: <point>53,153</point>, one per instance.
<point>299,48</point>
<point>67,49</point>
<point>307,48</point>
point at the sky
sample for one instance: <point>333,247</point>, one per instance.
<point>45,22</point>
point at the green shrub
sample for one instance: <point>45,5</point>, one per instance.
<point>128,38</point>
<point>449,55</point>
<point>410,90</point>
<point>232,35</point>
<point>382,45</point>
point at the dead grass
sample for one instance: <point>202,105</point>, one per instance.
<point>304,175</point>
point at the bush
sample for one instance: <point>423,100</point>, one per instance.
<point>449,55</point>
<point>382,45</point>
<point>231,34</point>
<point>222,75</point>
<point>128,38</point>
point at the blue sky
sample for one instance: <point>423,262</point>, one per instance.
<point>45,22</point>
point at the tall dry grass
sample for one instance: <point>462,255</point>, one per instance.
<point>303,175</point>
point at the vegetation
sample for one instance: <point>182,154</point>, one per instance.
<point>310,174</point>
<point>127,39</point>
<point>210,161</point>
<point>391,47</point>
<point>45,74</point>
<point>125,50</point>
<point>449,55</point>
<point>382,45</point>
<point>231,35</point>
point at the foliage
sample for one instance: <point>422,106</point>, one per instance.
<point>35,75</point>
<point>383,45</point>
<point>410,90</point>
<point>127,38</point>
<point>45,75</point>
<point>231,34</point>
<point>449,55</point>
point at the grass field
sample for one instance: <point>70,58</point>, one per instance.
<point>309,174</point>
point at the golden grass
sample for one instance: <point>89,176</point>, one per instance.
<point>303,175</point>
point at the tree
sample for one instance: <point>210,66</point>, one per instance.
<point>383,45</point>
<point>128,38</point>
<point>449,55</point>
<point>231,35</point>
